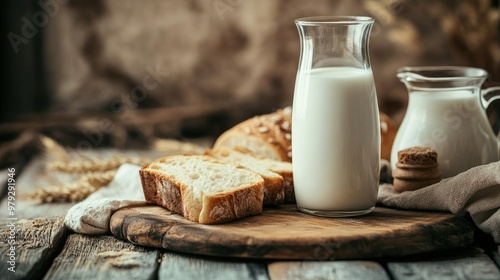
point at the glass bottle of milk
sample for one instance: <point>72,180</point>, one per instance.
<point>335,125</point>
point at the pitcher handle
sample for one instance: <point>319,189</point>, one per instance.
<point>487,97</point>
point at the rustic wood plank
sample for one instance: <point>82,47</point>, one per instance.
<point>181,266</point>
<point>103,257</point>
<point>472,263</point>
<point>286,233</point>
<point>327,270</point>
<point>36,243</point>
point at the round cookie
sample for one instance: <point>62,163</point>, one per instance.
<point>416,168</point>
<point>403,185</point>
<point>420,172</point>
<point>417,156</point>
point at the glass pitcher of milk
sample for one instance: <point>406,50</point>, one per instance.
<point>446,111</point>
<point>335,120</point>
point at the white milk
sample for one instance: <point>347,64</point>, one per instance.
<point>454,124</point>
<point>335,139</point>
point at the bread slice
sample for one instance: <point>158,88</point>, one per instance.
<point>284,168</point>
<point>202,188</point>
<point>274,193</point>
<point>268,135</point>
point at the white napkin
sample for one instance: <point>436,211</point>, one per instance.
<point>92,215</point>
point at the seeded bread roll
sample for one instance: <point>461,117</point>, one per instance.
<point>267,135</point>
<point>202,188</point>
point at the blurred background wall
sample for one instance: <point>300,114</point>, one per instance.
<point>127,69</point>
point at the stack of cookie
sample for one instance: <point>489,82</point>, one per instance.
<point>416,168</point>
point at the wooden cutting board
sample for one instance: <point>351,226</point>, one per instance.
<point>286,233</point>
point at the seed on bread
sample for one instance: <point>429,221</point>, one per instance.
<point>287,111</point>
<point>274,118</point>
<point>263,129</point>
<point>285,126</point>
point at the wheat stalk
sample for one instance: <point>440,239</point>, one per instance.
<point>95,173</point>
<point>93,165</point>
<point>76,191</point>
<point>53,150</point>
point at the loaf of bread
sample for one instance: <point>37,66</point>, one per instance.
<point>278,176</point>
<point>267,135</point>
<point>202,188</point>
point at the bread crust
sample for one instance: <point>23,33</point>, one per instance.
<point>158,189</point>
<point>240,203</point>
<point>287,184</point>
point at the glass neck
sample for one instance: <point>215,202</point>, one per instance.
<point>334,42</point>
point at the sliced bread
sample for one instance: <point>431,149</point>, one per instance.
<point>202,188</point>
<point>274,193</point>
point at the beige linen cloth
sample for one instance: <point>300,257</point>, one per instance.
<point>475,192</point>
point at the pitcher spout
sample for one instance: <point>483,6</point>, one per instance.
<point>441,77</point>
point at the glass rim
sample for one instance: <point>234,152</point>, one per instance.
<point>418,73</point>
<point>318,20</point>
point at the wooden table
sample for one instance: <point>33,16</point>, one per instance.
<point>47,250</point>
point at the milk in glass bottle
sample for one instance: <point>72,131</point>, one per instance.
<point>335,125</point>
